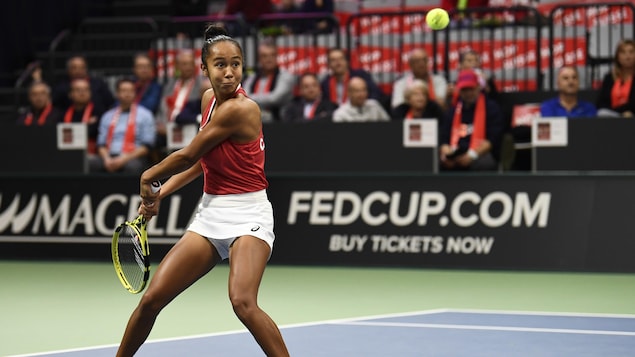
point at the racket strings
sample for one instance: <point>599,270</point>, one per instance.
<point>131,258</point>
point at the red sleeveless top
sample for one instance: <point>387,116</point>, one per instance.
<point>232,167</point>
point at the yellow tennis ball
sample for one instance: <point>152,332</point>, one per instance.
<point>437,19</point>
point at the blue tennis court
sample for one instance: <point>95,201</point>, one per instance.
<point>436,333</point>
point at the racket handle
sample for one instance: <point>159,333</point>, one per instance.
<point>155,186</point>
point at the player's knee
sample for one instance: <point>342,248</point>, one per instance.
<point>243,304</point>
<point>151,304</point>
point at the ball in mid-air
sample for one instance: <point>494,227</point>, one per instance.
<point>437,19</point>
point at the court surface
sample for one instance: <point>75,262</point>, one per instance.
<point>70,309</point>
<point>426,333</point>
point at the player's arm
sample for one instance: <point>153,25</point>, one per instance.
<point>177,181</point>
<point>172,185</point>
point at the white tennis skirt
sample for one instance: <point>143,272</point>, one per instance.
<point>223,218</point>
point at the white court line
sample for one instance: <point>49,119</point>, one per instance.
<point>359,321</point>
<point>542,313</point>
<point>490,328</point>
<point>298,325</point>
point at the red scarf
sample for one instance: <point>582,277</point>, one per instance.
<point>430,83</point>
<point>620,92</point>
<point>129,139</point>
<point>311,113</point>
<point>171,100</point>
<point>41,120</point>
<point>68,117</point>
<point>267,87</point>
<point>459,129</point>
<point>141,89</point>
<point>333,89</point>
<point>431,94</point>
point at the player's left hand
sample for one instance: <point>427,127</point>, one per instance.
<point>149,201</point>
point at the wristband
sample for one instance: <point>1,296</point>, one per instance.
<point>472,154</point>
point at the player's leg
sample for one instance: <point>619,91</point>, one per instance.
<point>247,260</point>
<point>191,257</point>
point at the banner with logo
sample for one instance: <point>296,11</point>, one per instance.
<point>509,222</point>
<point>439,221</point>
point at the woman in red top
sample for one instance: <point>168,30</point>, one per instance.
<point>234,220</point>
<point>617,97</point>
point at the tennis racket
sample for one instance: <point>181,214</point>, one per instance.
<point>131,252</point>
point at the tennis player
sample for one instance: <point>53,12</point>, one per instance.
<point>234,219</point>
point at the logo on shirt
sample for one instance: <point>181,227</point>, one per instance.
<point>253,229</point>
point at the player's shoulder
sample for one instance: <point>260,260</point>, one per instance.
<point>240,106</point>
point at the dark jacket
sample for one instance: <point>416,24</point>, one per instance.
<point>604,96</point>
<point>294,111</point>
<point>432,110</point>
<point>494,126</point>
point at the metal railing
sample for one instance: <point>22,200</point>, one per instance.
<point>381,42</point>
<point>586,35</point>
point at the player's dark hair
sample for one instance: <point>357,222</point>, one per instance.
<point>213,35</point>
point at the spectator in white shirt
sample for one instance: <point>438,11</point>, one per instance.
<point>420,69</point>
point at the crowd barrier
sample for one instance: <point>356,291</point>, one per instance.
<point>521,47</point>
<point>537,222</point>
<point>404,147</point>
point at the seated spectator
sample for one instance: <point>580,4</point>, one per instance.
<point>616,96</point>
<point>191,113</point>
<point>77,68</point>
<point>310,105</point>
<point>335,84</point>
<point>470,59</point>
<point>147,86</point>
<point>417,105</point>
<point>418,61</point>
<point>359,107</point>
<point>567,104</point>
<point>40,110</point>
<point>126,135</point>
<point>470,136</point>
<point>270,86</point>
<point>84,110</point>
<point>179,90</point>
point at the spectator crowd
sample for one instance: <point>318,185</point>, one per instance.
<point>130,124</point>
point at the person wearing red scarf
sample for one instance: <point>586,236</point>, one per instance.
<point>419,65</point>
<point>270,86</point>
<point>147,86</point>
<point>185,86</point>
<point>334,86</point>
<point>126,135</point>
<point>310,105</point>
<point>616,96</point>
<point>40,110</point>
<point>417,103</point>
<point>470,135</point>
<point>77,68</point>
<point>84,110</point>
